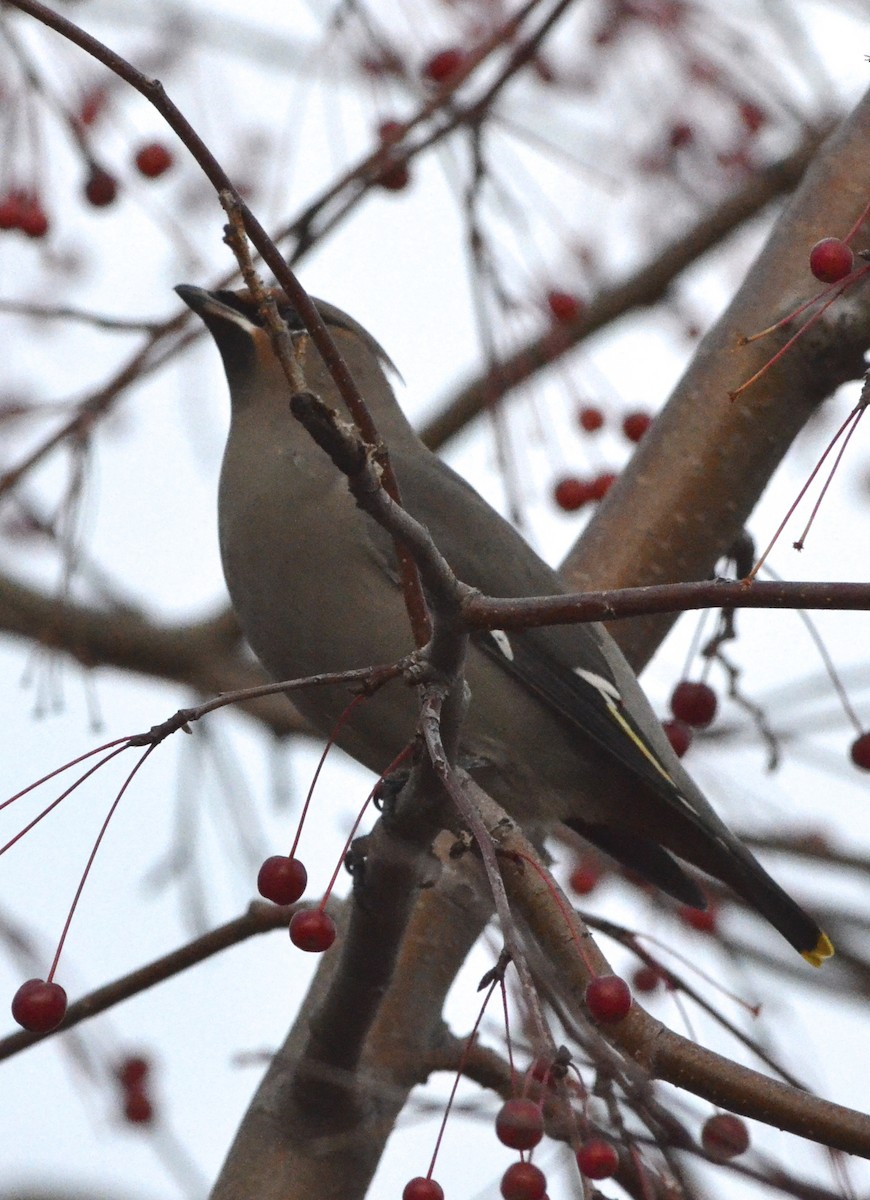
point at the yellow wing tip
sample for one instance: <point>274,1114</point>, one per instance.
<point>824,948</point>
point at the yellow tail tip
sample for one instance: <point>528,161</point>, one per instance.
<point>823,949</point>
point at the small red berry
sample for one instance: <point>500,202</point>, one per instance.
<point>138,1109</point>
<point>831,260</point>
<point>132,1071</point>
<point>519,1124</point>
<point>421,1188</point>
<point>282,879</point>
<point>704,920</point>
<point>590,418</point>
<point>395,179</point>
<point>694,703</point>
<point>602,484</point>
<point>563,306</point>
<point>92,105</point>
<point>10,210</point>
<point>523,1181</point>
<point>724,1136</point>
<point>32,218</point>
<point>597,1159</point>
<point>752,116</point>
<point>679,734</point>
<point>585,876</point>
<point>572,493</point>
<point>681,134</point>
<point>153,160</point>
<point>443,65</point>
<point>313,930</point>
<point>39,1006</point>
<point>635,425</point>
<point>101,188</point>
<point>386,130</point>
<point>646,979</point>
<point>860,751</point>
<point>608,998</point>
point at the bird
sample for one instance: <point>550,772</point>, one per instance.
<point>558,727</point>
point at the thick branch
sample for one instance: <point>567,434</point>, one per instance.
<point>666,1055</point>
<point>706,460</point>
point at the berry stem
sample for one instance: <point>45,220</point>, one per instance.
<point>397,761</point>
<point>858,409</point>
<point>463,1058</point>
<point>854,417</point>
<point>548,883</point>
<point>326,749</point>
<point>853,278</point>
<point>92,770</point>
<point>860,221</point>
<point>66,766</point>
<point>92,856</point>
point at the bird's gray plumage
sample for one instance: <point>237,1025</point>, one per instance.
<point>558,727</point>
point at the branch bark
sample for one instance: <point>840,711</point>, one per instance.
<point>705,461</point>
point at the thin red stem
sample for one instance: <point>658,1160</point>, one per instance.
<point>400,758</point>
<point>853,278</point>
<point>803,491</point>
<point>59,770</point>
<point>326,749</point>
<point>563,908</point>
<point>91,857</point>
<point>462,1061</point>
<point>861,219</point>
<point>855,417</point>
<point>27,828</point>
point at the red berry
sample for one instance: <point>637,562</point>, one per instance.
<point>422,1188</point>
<point>138,1109</point>
<point>602,484</point>
<point>590,418</point>
<point>679,734</point>
<point>681,134</point>
<point>860,751</point>
<point>312,929</point>
<point>724,1136</point>
<point>10,210</point>
<point>282,879</point>
<point>704,920</point>
<point>585,876</point>
<point>572,493</point>
<point>831,259</point>
<point>646,979</point>
<point>101,188</point>
<point>635,425</point>
<point>443,65</point>
<point>92,104</point>
<point>39,1006</point>
<point>523,1181</point>
<point>395,179</point>
<point>132,1071</point>
<point>153,159</point>
<point>519,1124</point>
<point>752,116</point>
<point>563,306</point>
<point>608,998</point>
<point>32,218</point>
<point>386,130</point>
<point>597,1159</point>
<point>694,703</point>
